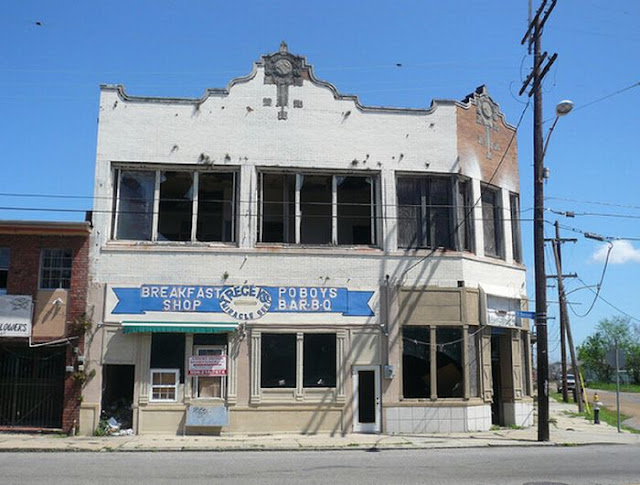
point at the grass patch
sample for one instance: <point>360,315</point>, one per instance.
<point>606,416</point>
<point>611,386</point>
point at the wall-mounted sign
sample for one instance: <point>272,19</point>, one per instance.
<point>207,365</point>
<point>15,316</point>
<point>503,312</point>
<point>242,302</point>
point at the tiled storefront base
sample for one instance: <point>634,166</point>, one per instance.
<point>519,413</point>
<point>439,419</point>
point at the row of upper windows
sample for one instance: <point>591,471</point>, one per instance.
<point>55,269</point>
<point>432,211</point>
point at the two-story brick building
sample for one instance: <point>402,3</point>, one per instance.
<point>43,288</point>
<point>275,256</point>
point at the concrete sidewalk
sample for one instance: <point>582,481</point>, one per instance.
<point>565,430</point>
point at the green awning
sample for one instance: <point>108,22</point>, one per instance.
<point>177,327</point>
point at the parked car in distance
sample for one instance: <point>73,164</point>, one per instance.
<point>571,383</point>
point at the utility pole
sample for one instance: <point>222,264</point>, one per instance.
<point>565,327</point>
<point>534,34</point>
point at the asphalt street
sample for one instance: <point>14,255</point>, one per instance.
<point>585,465</point>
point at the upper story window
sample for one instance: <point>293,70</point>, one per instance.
<point>158,205</point>
<point>317,209</point>
<point>4,270</point>
<point>492,222</point>
<point>434,212</point>
<point>55,269</point>
<point>516,238</point>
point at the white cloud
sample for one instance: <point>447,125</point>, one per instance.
<point>623,252</point>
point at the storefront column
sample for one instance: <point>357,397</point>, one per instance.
<point>341,363</point>
<point>255,366</point>
<point>433,370</point>
<point>465,360</point>
<point>299,364</point>
<point>232,371</point>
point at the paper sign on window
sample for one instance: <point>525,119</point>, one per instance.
<point>208,365</point>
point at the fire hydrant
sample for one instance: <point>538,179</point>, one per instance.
<point>596,408</point>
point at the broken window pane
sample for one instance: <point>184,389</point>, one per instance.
<point>416,362</point>
<point>319,366</point>
<point>515,228</point>
<point>315,207</point>
<point>355,210</point>
<point>449,376</point>
<point>176,206</point>
<point>278,208</point>
<point>465,216</point>
<point>410,219</point>
<point>278,360</point>
<point>425,208</point>
<point>167,352</point>
<point>216,207</point>
<point>440,209</point>
<point>491,222</point>
<point>135,205</point>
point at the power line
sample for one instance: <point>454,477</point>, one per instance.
<point>593,202</point>
<point>608,302</point>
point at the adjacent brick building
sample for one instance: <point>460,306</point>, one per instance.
<point>43,288</point>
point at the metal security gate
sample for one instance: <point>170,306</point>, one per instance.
<point>31,386</point>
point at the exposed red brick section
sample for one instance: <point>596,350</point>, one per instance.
<point>472,146</point>
<point>25,242</point>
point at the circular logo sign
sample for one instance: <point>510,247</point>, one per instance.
<point>245,302</point>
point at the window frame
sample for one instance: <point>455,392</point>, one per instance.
<point>57,269</point>
<point>467,333</point>
<point>176,385</point>
<point>299,362</point>
<point>498,220</point>
<point>460,216</point>
<point>195,173</point>
<point>5,255</point>
<point>374,204</point>
<point>516,234</point>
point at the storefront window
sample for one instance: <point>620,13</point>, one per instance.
<point>278,358</point>
<point>416,362</point>
<point>319,367</point>
<point>449,362</point>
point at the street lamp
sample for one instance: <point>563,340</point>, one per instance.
<point>563,108</point>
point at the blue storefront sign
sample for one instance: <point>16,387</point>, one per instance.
<point>242,302</point>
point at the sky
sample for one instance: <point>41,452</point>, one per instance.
<point>402,53</point>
